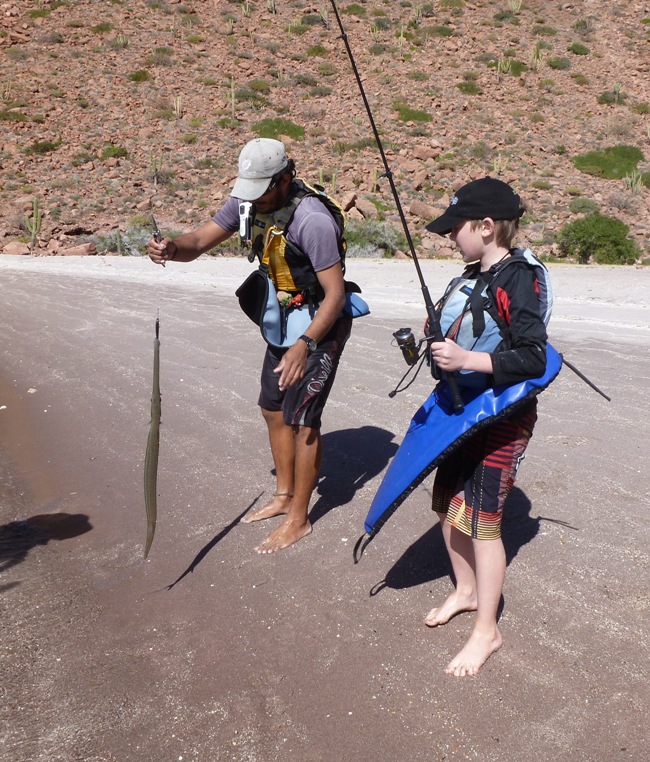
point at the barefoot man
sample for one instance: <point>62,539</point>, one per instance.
<point>302,254</point>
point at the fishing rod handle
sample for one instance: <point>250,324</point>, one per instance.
<point>435,331</point>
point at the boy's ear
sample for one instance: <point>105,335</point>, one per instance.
<point>489,226</point>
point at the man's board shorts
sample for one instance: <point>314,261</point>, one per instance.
<point>303,403</point>
<point>472,484</point>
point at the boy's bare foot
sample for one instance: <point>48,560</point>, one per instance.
<point>289,531</point>
<point>277,507</point>
<point>455,604</point>
<point>474,654</point>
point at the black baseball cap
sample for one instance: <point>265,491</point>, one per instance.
<point>487,197</point>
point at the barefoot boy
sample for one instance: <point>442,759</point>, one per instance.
<point>486,346</point>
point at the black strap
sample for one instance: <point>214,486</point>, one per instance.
<point>476,305</point>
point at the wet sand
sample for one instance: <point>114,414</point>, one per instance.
<point>302,655</point>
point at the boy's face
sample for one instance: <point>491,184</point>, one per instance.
<point>470,242</point>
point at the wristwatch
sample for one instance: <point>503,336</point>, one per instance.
<point>312,346</point>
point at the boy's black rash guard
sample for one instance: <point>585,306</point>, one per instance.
<point>516,301</point>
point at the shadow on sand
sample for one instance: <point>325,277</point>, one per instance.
<point>19,537</point>
<point>427,559</point>
<point>351,458</point>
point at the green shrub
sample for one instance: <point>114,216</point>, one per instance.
<point>408,114</point>
<point>160,57</point>
<point>102,28</point>
<point>452,5</point>
<point>517,68</point>
<point>259,86</point>
<point>340,147</point>
<point>355,10</point>
<point>370,238</point>
<point>583,206</point>
<point>382,24</point>
<point>305,79</point>
<point>643,108</point>
<point>142,75</point>
<point>273,127</point>
<point>559,63</point>
<point>612,163</point>
<point>7,115</point>
<point>469,87</point>
<point>113,152</point>
<point>326,69</point>
<point>320,91</point>
<point>611,96</point>
<point>311,19</point>
<point>543,30</point>
<point>578,49</point>
<point>598,237</point>
<point>317,50</point>
<point>507,17</point>
<point>41,147</point>
<point>437,31</point>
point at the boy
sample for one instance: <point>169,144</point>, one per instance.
<point>471,485</point>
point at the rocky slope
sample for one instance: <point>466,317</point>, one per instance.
<point>112,109</point>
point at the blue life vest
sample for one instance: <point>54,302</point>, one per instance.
<point>469,314</point>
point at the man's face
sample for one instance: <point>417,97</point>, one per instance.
<point>274,197</point>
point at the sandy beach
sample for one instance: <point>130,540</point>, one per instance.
<point>302,656</point>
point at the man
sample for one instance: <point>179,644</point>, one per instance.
<point>296,381</point>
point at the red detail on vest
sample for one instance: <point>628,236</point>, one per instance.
<point>503,304</point>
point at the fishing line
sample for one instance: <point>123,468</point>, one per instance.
<point>434,322</point>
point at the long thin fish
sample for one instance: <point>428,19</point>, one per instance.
<point>153,442</point>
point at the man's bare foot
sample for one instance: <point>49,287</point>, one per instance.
<point>277,507</point>
<point>474,654</point>
<point>455,604</point>
<point>289,531</point>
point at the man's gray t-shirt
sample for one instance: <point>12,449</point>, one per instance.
<point>312,229</point>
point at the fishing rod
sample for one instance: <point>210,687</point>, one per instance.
<point>434,323</point>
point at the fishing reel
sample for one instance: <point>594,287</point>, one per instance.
<point>406,342</point>
<point>411,351</point>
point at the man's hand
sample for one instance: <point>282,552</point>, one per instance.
<point>160,253</point>
<point>292,366</point>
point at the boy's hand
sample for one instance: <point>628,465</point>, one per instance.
<point>448,356</point>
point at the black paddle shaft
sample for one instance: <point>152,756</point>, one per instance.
<point>434,323</point>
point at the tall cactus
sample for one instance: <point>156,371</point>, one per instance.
<point>33,224</point>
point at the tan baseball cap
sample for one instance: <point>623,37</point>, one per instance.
<point>259,161</point>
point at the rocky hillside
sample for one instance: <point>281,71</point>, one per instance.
<point>114,108</point>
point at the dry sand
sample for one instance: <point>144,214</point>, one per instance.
<point>303,655</point>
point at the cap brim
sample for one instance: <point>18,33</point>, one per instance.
<point>250,190</point>
<point>443,224</point>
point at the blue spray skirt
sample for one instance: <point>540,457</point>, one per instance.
<point>436,430</point>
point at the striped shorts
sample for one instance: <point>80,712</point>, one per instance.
<point>472,484</point>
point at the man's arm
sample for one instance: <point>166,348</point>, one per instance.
<point>187,246</point>
<point>292,366</point>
